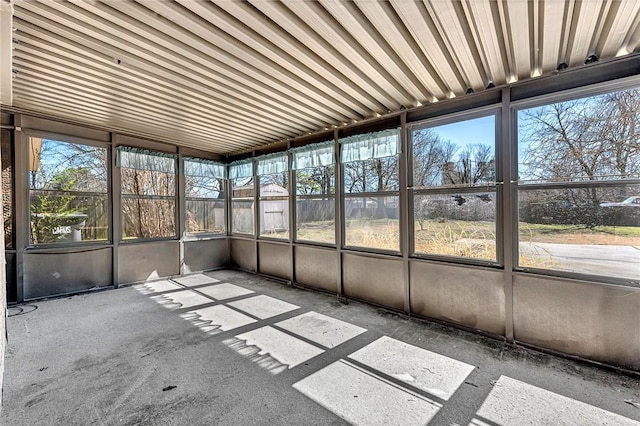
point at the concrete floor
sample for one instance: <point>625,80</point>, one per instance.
<point>233,348</point>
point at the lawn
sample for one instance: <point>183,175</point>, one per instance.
<point>471,239</point>
<point>580,234</point>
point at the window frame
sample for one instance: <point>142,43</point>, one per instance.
<point>224,188</point>
<point>266,198</point>
<point>331,196</point>
<point>599,89</point>
<point>10,157</point>
<point>232,198</point>
<point>344,195</point>
<point>496,187</point>
<point>175,197</point>
<point>56,137</point>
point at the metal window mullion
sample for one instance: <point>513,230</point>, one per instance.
<point>577,184</point>
<point>454,117</point>
<point>373,251</point>
<point>227,186</point>
<point>72,193</point>
<point>292,212</point>
<point>21,202</point>
<point>507,154</point>
<point>338,212</point>
<point>256,211</point>
<point>371,194</point>
<point>311,243</point>
<point>181,210</point>
<point>447,191</point>
<point>116,209</point>
<point>149,197</point>
<point>203,199</point>
<point>314,196</point>
<point>404,226</point>
<point>410,192</point>
<point>274,198</point>
<point>445,188</point>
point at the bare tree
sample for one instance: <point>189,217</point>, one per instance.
<point>315,180</point>
<point>586,139</point>
<point>476,164</point>
<point>430,154</point>
<point>148,203</point>
<point>590,139</point>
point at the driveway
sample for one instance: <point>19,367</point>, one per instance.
<point>609,260</point>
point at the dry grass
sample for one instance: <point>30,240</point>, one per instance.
<point>379,233</point>
<point>280,234</point>
<point>579,234</point>
<point>532,256</point>
<point>475,240</point>
<point>467,239</point>
<point>321,232</point>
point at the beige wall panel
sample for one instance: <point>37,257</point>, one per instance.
<point>148,261</point>
<point>275,260</point>
<point>316,267</point>
<point>593,321</point>
<point>204,255</point>
<point>373,279</point>
<point>470,296</point>
<point>66,271</point>
<point>243,254</point>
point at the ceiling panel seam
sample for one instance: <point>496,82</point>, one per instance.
<point>285,49</point>
<point>175,136</point>
<point>169,76</point>
<point>137,78</point>
<point>130,102</point>
<point>283,81</point>
<point>154,54</point>
<point>425,32</point>
<point>329,29</point>
<point>300,30</point>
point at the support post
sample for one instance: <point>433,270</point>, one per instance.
<point>181,213</point>
<point>509,209</point>
<point>339,212</point>
<point>21,202</point>
<point>405,228</point>
<point>116,210</point>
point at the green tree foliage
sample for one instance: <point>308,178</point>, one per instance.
<point>68,193</point>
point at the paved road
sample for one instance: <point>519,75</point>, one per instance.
<point>610,260</point>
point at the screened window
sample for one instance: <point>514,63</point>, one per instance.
<point>242,197</point>
<point>454,190</point>
<point>371,201</point>
<point>314,167</point>
<point>148,188</point>
<point>579,185</point>
<point>274,195</point>
<point>7,187</point>
<point>68,199</point>
<point>204,196</point>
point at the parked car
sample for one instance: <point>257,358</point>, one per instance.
<point>629,202</point>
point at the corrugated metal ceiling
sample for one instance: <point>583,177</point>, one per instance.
<point>226,76</point>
